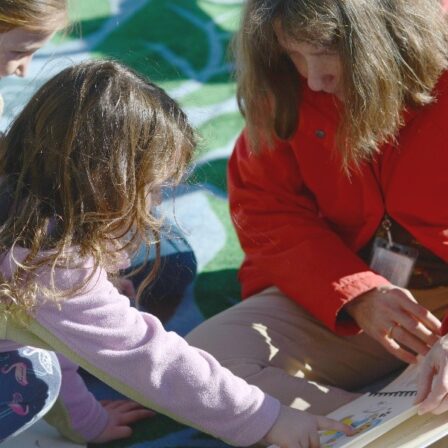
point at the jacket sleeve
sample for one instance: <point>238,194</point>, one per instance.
<point>77,414</point>
<point>130,350</point>
<point>286,242</point>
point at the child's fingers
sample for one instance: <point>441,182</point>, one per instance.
<point>112,404</point>
<point>314,441</point>
<point>129,405</point>
<point>105,402</point>
<point>122,405</point>
<point>120,432</point>
<point>329,423</point>
<point>134,416</point>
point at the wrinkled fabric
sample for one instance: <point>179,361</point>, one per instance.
<point>301,221</point>
<point>97,329</point>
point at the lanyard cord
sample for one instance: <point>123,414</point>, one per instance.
<point>386,222</point>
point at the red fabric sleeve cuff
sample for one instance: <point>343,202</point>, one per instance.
<point>348,288</point>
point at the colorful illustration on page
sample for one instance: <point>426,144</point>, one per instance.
<point>360,422</point>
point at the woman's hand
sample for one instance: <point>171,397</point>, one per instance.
<point>392,316</point>
<point>432,386</point>
<point>298,429</point>
<point>122,413</point>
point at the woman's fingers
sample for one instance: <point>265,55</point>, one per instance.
<point>392,317</point>
<point>394,348</point>
<point>410,339</point>
<point>407,324</point>
<point>421,314</point>
<point>408,328</point>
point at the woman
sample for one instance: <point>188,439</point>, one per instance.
<point>345,141</point>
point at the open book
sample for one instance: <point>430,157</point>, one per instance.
<point>387,418</point>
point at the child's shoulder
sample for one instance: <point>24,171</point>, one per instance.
<point>65,274</point>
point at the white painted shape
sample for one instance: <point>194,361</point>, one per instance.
<point>186,88</point>
<point>202,228</point>
<point>219,153</point>
<point>216,50</point>
<point>200,115</point>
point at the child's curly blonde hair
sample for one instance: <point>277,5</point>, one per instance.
<point>79,165</point>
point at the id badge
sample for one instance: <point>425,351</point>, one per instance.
<point>393,261</point>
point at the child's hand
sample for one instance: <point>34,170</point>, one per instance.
<point>121,414</point>
<point>294,429</point>
<point>125,287</point>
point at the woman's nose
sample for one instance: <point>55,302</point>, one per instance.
<point>319,78</point>
<point>318,82</point>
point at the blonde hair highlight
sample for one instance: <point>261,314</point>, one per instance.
<point>33,15</point>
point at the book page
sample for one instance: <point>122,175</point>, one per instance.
<point>388,419</point>
<point>420,431</point>
<point>373,414</point>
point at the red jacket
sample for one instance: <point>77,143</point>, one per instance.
<point>301,221</point>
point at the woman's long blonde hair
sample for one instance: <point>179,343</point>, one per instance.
<point>34,15</point>
<point>78,165</point>
<point>392,51</point>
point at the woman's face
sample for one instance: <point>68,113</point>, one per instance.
<point>17,47</point>
<point>321,67</point>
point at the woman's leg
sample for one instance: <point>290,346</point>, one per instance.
<point>30,379</point>
<point>177,270</point>
<point>271,342</point>
<point>433,299</point>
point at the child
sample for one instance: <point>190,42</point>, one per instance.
<point>80,166</point>
<point>25,26</point>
